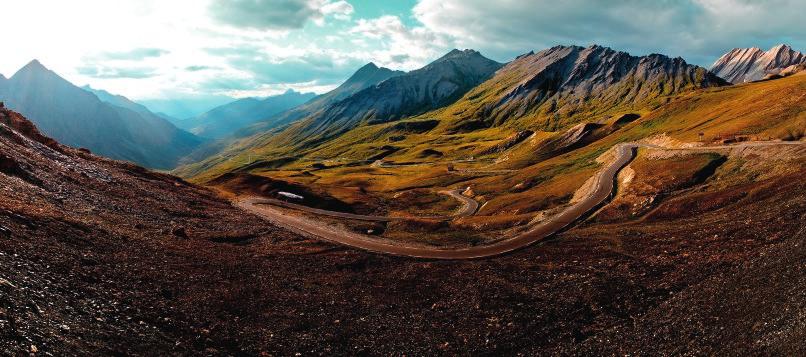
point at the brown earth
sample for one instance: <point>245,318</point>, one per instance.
<point>91,265</point>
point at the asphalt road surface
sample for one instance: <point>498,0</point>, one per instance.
<point>603,188</point>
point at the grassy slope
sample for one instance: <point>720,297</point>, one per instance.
<point>558,113</point>
<point>766,109</point>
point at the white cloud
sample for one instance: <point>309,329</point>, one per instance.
<point>340,10</point>
<point>401,46</point>
<point>148,49</point>
<point>277,14</point>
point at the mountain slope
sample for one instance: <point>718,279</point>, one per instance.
<point>548,91</point>
<point>752,64</point>
<point>79,118</point>
<point>433,86</point>
<point>563,85</point>
<point>226,119</point>
<point>366,76</point>
<point>119,101</point>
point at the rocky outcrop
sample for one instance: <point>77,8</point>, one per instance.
<point>17,122</point>
<point>752,64</point>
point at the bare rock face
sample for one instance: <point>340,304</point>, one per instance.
<point>752,64</point>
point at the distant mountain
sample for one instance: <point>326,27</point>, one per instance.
<point>751,64</point>
<point>549,91</point>
<point>226,119</point>
<point>563,85</point>
<point>437,84</point>
<point>185,108</point>
<point>118,100</point>
<point>400,95</point>
<point>79,118</point>
<point>366,76</point>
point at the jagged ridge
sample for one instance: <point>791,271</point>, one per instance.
<point>433,86</point>
<point>752,64</point>
<point>553,86</point>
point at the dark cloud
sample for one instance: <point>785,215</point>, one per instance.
<point>117,72</point>
<point>136,54</point>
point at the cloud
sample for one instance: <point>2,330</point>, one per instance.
<point>199,68</point>
<point>698,30</point>
<point>262,71</point>
<point>106,72</point>
<point>340,10</point>
<point>277,14</point>
<point>400,46</point>
<point>136,54</point>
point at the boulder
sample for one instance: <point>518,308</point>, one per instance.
<point>180,232</point>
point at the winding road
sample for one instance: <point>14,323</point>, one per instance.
<point>469,207</point>
<point>603,188</point>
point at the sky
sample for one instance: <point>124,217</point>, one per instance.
<point>199,49</point>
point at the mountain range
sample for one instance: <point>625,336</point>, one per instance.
<point>563,85</point>
<point>226,119</point>
<point>366,76</point>
<point>752,64</point>
<point>437,84</point>
<point>465,92</point>
<point>79,118</point>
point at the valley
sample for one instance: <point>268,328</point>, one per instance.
<point>329,184</point>
<point>520,178</point>
<point>93,247</point>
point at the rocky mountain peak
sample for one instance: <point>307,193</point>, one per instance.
<point>369,67</point>
<point>369,74</point>
<point>751,64</point>
<point>780,49</point>
<point>456,54</point>
<point>571,78</point>
<point>32,67</point>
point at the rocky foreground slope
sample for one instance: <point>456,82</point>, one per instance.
<point>103,257</point>
<point>752,64</point>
